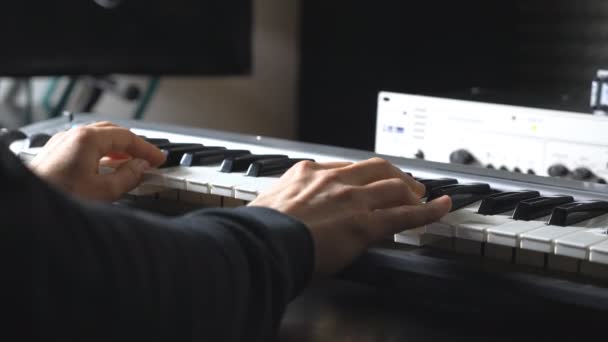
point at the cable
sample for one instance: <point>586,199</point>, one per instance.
<point>65,97</point>
<point>147,98</point>
<point>29,101</point>
<point>46,99</point>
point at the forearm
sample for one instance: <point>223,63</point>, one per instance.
<point>96,272</point>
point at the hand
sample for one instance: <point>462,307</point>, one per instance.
<point>71,160</point>
<point>349,206</point>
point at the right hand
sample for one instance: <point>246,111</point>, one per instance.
<point>349,206</point>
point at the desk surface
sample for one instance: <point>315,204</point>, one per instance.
<point>338,310</point>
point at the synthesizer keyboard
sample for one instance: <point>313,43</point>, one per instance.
<point>547,235</point>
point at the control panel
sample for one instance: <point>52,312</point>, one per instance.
<point>510,138</point>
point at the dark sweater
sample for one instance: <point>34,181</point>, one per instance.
<point>79,271</point>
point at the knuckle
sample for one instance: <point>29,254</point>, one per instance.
<point>330,176</point>
<point>303,167</point>
<point>380,163</point>
<point>83,134</point>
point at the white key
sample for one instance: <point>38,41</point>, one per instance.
<point>577,245</point>
<point>413,237</point>
<point>223,184</point>
<point>249,191</point>
<point>509,234</point>
<point>446,226</point>
<point>599,253</point>
<point>17,146</point>
<point>542,239</point>
<point>475,226</point>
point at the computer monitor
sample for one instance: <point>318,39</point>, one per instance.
<point>96,37</point>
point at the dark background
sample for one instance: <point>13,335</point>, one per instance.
<point>75,37</point>
<point>538,53</point>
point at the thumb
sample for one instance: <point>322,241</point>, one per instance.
<point>126,177</point>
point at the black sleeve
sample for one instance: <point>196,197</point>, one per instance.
<point>76,271</point>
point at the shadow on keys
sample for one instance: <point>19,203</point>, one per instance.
<point>426,310</point>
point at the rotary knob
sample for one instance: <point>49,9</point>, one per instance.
<point>558,170</point>
<point>463,157</point>
<point>419,154</point>
<point>582,174</point>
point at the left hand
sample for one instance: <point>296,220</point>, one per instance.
<point>71,161</point>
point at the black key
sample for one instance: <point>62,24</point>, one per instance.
<point>432,184</point>
<point>174,145</point>
<point>157,141</point>
<point>269,167</point>
<point>462,194</point>
<point>505,201</point>
<point>174,154</point>
<point>575,212</point>
<point>241,164</point>
<point>538,207</point>
<point>8,137</point>
<point>204,158</point>
<point>39,139</point>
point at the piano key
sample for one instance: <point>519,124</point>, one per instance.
<point>415,237</point>
<point>175,145</point>
<point>226,184</point>
<point>157,141</point>
<point>474,227</point>
<point>270,167</point>
<point>38,139</point>
<point>209,180</point>
<point>535,208</point>
<point>575,212</point>
<point>578,245</point>
<point>431,184</point>
<point>599,253</point>
<point>509,234</point>
<point>251,189</point>
<point>241,164</point>
<point>504,202</point>
<point>446,226</point>
<point>7,137</point>
<point>210,157</point>
<point>18,147</point>
<point>462,194</point>
<point>174,154</point>
<point>544,239</point>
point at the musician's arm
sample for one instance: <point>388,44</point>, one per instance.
<point>89,271</point>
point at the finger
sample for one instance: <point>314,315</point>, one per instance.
<point>112,163</point>
<point>55,139</point>
<point>117,156</point>
<point>333,165</point>
<point>375,169</point>
<point>126,178</point>
<point>117,139</point>
<point>103,124</point>
<point>389,193</point>
<point>395,220</point>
